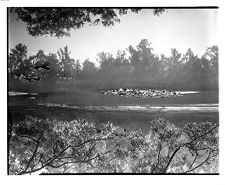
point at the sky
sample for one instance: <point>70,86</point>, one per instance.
<point>175,28</point>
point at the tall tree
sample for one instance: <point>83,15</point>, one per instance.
<point>89,68</point>
<point>134,58</point>
<point>18,64</point>
<point>210,64</point>
<point>175,58</point>
<point>174,65</point>
<point>77,69</point>
<point>66,63</point>
<point>16,57</point>
<point>146,56</point>
<point>212,54</point>
<point>55,71</point>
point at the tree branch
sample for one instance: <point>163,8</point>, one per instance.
<point>199,164</point>
<point>194,161</point>
<point>171,158</point>
<point>29,138</point>
<point>32,157</point>
<point>49,161</point>
<point>202,135</point>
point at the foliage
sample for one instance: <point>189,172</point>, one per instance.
<point>142,66</point>
<point>60,66</point>
<point>79,146</point>
<point>59,21</point>
<point>136,66</point>
<point>89,69</point>
<point>18,60</point>
<point>66,64</point>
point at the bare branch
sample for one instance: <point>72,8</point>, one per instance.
<point>202,135</point>
<point>89,152</point>
<point>196,156</point>
<point>28,138</point>
<point>49,161</point>
<point>160,148</point>
<point>207,158</point>
<point>37,162</point>
<point>171,158</point>
<point>32,157</point>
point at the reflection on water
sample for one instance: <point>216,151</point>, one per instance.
<point>189,92</point>
<point>195,108</point>
<point>88,98</point>
<point>14,93</point>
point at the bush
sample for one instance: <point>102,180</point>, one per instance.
<point>79,146</point>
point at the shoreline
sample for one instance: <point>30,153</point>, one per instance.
<point>187,108</point>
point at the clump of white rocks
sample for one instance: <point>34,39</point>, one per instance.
<point>143,93</point>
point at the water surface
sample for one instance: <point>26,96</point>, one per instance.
<point>128,112</point>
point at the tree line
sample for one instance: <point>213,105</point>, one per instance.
<point>135,66</point>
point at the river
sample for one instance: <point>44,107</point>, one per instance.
<point>128,112</point>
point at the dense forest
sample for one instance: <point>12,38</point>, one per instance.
<point>136,66</point>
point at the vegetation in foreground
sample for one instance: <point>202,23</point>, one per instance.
<point>78,146</point>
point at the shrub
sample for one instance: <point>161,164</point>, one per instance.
<point>79,146</point>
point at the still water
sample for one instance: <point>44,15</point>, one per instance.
<point>62,107</point>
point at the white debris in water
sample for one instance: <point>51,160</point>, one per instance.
<point>33,94</point>
<point>189,92</point>
<point>138,93</point>
<point>14,93</point>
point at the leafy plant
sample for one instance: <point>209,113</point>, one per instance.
<point>86,147</point>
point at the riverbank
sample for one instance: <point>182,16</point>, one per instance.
<point>188,108</point>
